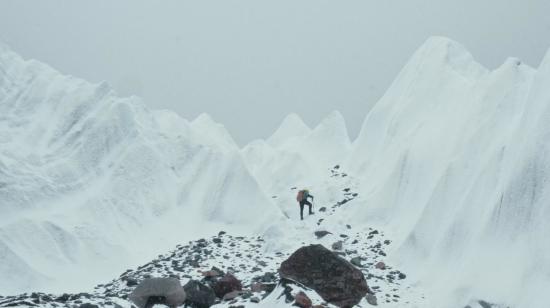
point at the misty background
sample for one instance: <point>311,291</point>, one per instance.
<point>249,63</point>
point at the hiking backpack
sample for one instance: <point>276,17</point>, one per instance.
<point>300,196</point>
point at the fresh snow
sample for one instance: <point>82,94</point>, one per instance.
<point>451,165</point>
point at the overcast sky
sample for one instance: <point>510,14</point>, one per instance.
<point>249,63</point>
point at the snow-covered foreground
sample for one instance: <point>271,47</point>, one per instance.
<point>256,259</point>
<point>451,166</point>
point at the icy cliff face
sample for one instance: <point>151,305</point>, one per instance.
<point>453,161</point>
<point>89,180</point>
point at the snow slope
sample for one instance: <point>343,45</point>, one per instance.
<point>297,156</point>
<point>91,183</point>
<point>213,134</point>
<point>453,161</point>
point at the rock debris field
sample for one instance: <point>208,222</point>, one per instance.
<point>236,271</point>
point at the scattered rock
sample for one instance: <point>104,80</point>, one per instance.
<point>63,298</point>
<point>88,305</point>
<point>321,234</point>
<point>231,295</point>
<point>484,304</point>
<point>337,245</point>
<point>334,279</point>
<point>254,299</point>
<point>356,261</point>
<point>151,291</point>
<point>371,299</point>
<point>380,265</point>
<point>130,282</point>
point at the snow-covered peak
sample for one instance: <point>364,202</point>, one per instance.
<point>213,132</point>
<point>440,51</point>
<point>93,180</point>
<point>204,118</point>
<point>328,144</point>
<point>332,126</point>
<point>291,127</point>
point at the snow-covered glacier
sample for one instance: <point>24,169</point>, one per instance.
<point>452,163</point>
<point>91,183</point>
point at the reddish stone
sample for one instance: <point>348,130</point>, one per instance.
<point>226,284</point>
<point>302,300</point>
<point>380,265</point>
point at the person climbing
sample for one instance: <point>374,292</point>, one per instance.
<point>302,197</point>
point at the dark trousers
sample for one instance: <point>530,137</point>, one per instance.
<point>302,208</point>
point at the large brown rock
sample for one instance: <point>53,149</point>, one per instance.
<point>336,280</point>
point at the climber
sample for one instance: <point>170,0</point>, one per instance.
<point>302,197</point>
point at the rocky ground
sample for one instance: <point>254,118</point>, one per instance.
<point>241,256</point>
<point>255,269</point>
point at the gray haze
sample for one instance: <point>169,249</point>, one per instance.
<point>249,63</point>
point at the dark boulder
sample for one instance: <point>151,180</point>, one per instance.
<point>130,282</point>
<point>88,305</point>
<point>322,233</point>
<point>337,245</point>
<point>336,280</point>
<point>371,299</point>
<point>198,295</point>
<point>226,284</point>
<point>151,291</point>
<point>380,265</point>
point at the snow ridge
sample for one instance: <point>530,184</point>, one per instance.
<point>92,180</point>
